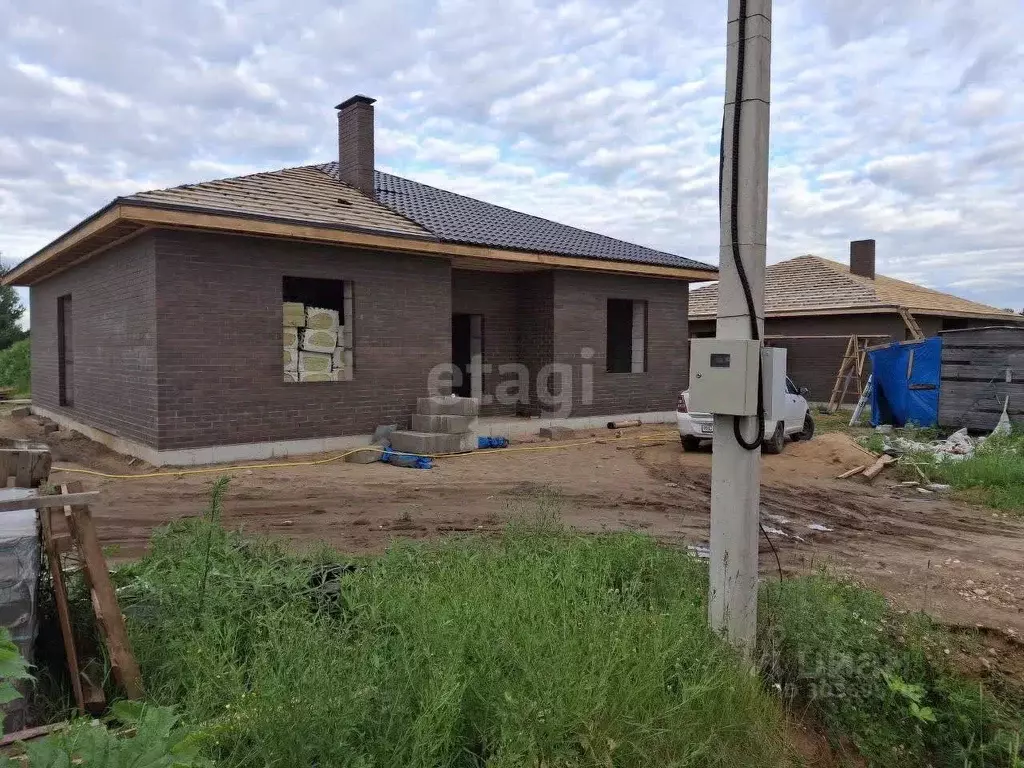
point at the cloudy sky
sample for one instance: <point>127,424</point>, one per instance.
<point>894,119</point>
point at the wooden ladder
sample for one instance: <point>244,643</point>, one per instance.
<point>851,371</point>
<point>911,323</point>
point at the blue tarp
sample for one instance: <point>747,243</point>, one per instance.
<point>905,383</point>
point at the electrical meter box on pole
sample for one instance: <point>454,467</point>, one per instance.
<point>724,376</point>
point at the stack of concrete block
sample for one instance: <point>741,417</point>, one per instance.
<point>316,346</point>
<point>294,319</point>
<point>440,425</point>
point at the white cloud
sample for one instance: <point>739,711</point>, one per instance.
<point>894,119</point>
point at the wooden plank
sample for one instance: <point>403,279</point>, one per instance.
<point>997,388</point>
<point>1006,342</point>
<point>40,471</point>
<point>29,466</point>
<point>23,470</point>
<point>851,472</point>
<point>983,356</point>
<point>60,597</point>
<point>883,461</point>
<point>41,502</point>
<point>31,733</point>
<point>122,660</point>
<point>976,372</point>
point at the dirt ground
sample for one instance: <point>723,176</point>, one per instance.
<point>958,562</point>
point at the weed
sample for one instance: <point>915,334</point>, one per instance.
<point>153,739</point>
<point>13,668</point>
<point>995,471</point>
<point>535,647</point>
<point>880,679</point>
<point>875,442</point>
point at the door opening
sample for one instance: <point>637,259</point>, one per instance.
<point>467,354</point>
<point>65,352</point>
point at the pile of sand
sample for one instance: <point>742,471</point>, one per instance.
<point>835,449</point>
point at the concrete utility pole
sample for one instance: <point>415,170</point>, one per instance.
<point>735,471</point>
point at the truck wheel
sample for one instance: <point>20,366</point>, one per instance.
<point>777,441</point>
<point>689,443</point>
<point>808,431</point>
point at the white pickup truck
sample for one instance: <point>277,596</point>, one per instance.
<point>798,423</point>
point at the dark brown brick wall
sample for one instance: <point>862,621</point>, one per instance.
<point>535,341</point>
<point>493,295</point>
<point>580,316</point>
<point>113,299</point>
<point>219,330</point>
<point>814,363</point>
<point>178,338</point>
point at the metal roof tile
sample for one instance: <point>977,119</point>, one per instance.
<point>456,218</point>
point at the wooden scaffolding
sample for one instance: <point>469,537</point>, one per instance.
<point>850,379</point>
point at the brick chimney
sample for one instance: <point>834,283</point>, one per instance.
<point>355,143</point>
<point>862,258</point>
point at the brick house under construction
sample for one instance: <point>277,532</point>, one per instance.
<point>813,306</point>
<point>157,321</point>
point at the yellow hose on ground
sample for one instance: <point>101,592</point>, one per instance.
<point>340,456</point>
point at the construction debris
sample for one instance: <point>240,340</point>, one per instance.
<point>875,469</point>
<point>624,424</point>
<point>956,447</point>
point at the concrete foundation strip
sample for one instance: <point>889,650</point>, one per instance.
<point>339,457</point>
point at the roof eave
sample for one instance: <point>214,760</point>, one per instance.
<point>148,214</point>
<point>86,228</point>
<point>871,310</point>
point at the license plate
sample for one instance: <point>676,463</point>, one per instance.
<point>707,429</point>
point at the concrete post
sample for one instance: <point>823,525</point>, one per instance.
<point>735,471</point>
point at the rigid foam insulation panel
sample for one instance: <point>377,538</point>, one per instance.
<point>318,376</point>
<point>322,319</point>
<point>291,338</point>
<point>319,341</point>
<point>294,314</point>
<point>314,362</point>
<point>291,376</point>
<point>291,359</point>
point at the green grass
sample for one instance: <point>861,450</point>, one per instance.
<point>831,422</point>
<point>881,680</point>
<point>995,473</point>
<point>538,647</point>
<point>534,648</point>
<point>15,367</point>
